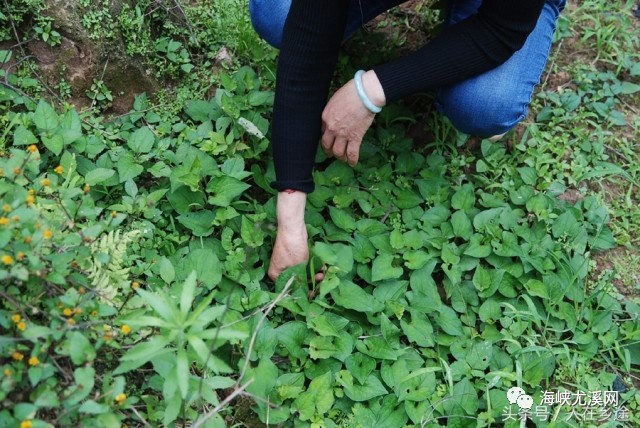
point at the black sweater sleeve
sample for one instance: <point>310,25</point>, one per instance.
<point>311,41</point>
<point>310,44</point>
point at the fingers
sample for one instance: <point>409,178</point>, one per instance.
<point>341,148</point>
<point>353,152</point>
<point>327,143</point>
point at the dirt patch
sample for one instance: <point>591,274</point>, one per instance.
<point>625,264</point>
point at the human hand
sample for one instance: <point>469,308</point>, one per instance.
<point>291,246</point>
<point>345,119</point>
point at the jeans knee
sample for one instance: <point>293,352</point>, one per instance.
<point>268,18</point>
<point>483,115</point>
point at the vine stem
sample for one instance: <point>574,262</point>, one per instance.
<point>222,405</point>
<point>257,329</point>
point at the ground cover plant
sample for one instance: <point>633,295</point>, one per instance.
<point>134,248</point>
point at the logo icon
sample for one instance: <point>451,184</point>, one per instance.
<point>516,395</point>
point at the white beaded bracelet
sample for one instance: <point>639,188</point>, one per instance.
<point>363,95</point>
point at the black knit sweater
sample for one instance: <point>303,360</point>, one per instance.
<point>310,44</point>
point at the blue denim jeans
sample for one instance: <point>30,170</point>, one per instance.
<point>488,104</point>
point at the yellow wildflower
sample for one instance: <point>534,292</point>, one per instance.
<point>59,169</point>
<point>25,424</point>
<point>67,312</point>
<point>87,188</point>
<point>71,321</point>
<point>114,214</point>
<point>20,256</point>
<point>125,329</point>
<point>22,326</point>
<point>7,260</point>
<point>77,311</point>
<point>121,397</point>
<point>17,356</point>
<point>30,199</point>
<point>15,218</point>
<point>47,234</point>
<point>135,285</point>
<point>94,313</point>
<point>34,361</point>
<point>31,191</point>
<point>6,208</point>
<point>16,318</point>
<point>45,182</point>
<point>28,239</point>
<point>7,372</point>
<point>32,148</point>
<point>4,221</point>
<point>17,171</point>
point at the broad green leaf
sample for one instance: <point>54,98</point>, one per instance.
<point>490,311</point>
<point>23,137</point>
<point>383,268</point>
<point>536,287</point>
<point>419,330</point>
<point>81,349</point>
<point>321,347</point>
<point>371,388</point>
<point>98,175</point>
<point>128,168</point>
<point>416,259</point>
<point>465,396</point>
<point>48,399</point>
<point>476,248</point>
<point>167,272</point>
<point>45,117</point>
<point>464,198</point>
<point>84,380</point>
<point>266,341</point>
<point>461,224</point>
<point>54,144</point>
<point>378,348</point>
<point>360,366</point>
<point>628,88</point>
<point>251,233</point>
<point>538,365</point>
<point>479,355</point>
<point>199,222</point>
<point>342,219</point>
<point>338,255</point>
<point>351,296</point>
<point>206,264</point>
<point>482,278</point>
<point>141,141</point>
<point>328,324</point>
<point>317,399</point>
<point>94,408</point>
<point>258,98</point>
<point>183,199</point>
<point>292,336</point>
<point>198,110</point>
<point>448,320</point>
<point>225,189</point>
